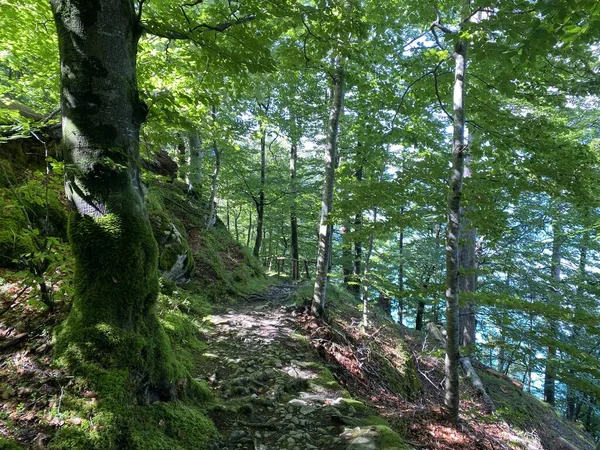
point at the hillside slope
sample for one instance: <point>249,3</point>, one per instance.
<point>262,373</point>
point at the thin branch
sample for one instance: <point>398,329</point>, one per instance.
<point>225,25</point>
<point>415,39</point>
<point>437,94</point>
<point>405,93</point>
<point>438,24</point>
<point>437,41</point>
<point>180,35</point>
<point>310,33</point>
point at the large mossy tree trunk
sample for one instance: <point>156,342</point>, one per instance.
<point>113,322</point>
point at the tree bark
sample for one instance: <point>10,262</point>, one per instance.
<point>293,212</point>
<point>249,236</point>
<point>571,410</point>
<point>452,396</point>
<point>113,320</point>
<point>194,162</point>
<point>323,257</point>
<point>467,282</point>
<point>212,215</point>
<point>421,303</point>
<point>401,277</point>
<point>365,276</point>
<point>260,202</point>
<point>357,243</point>
<point>549,373</point>
<point>347,260</point>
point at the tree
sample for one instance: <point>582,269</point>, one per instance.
<point>324,254</point>
<point>116,275</point>
<point>453,226</point>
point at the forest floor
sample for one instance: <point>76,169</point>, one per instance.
<point>289,381</point>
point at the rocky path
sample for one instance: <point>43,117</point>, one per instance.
<point>274,391</point>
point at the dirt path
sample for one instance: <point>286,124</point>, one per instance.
<point>275,391</point>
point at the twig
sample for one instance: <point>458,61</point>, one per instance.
<point>437,94</point>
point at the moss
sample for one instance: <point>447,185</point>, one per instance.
<point>515,406</point>
<point>399,372</point>
<point>113,321</point>
<point>9,444</point>
<point>172,426</point>
<point>389,439</point>
<point>382,435</point>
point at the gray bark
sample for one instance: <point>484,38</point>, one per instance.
<point>194,162</point>
<point>212,215</point>
<point>401,277</point>
<point>365,275</point>
<point>451,399</point>
<point>293,212</point>
<point>323,257</point>
<point>549,373</point>
<point>260,201</point>
<point>467,282</point>
<point>357,243</point>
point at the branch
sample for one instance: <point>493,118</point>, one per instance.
<point>406,91</point>
<point>437,93</point>
<point>310,33</point>
<point>437,41</point>
<point>437,24</point>
<point>180,35</point>
<point>414,39</point>
<point>225,25</point>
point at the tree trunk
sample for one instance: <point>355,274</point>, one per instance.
<point>571,411</point>
<point>420,314</point>
<point>467,282</point>
<point>401,277</point>
<point>453,231</point>
<point>337,99</point>
<point>212,215</point>
<point>194,163</point>
<point>113,319</point>
<point>249,229</point>
<point>236,218</point>
<point>260,202</point>
<point>347,261</point>
<point>549,373</point>
<point>357,244</point>
<point>293,212</point>
<point>227,216</point>
<point>365,276</point>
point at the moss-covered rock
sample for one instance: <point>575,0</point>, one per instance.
<point>378,436</point>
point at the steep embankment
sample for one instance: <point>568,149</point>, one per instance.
<point>399,372</point>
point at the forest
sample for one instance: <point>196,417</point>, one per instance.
<point>375,223</point>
